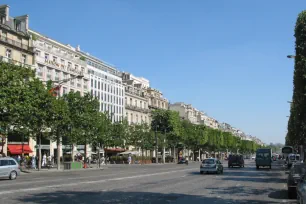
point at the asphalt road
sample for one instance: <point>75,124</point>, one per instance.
<point>170,183</point>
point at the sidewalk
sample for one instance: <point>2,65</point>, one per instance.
<point>45,170</point>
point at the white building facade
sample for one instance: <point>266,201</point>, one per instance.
<point>136,100</point>
<point>55,61</point>
<point>106,85</point>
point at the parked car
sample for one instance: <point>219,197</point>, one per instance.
<point>211,165</point>
<point>9,168</point>
<point>235,160</point>
<point>292,158</point>
<point>299,172</point>
<point>183,161</point>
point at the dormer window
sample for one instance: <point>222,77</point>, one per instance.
<point>18,26</point>
<point>2,19</point>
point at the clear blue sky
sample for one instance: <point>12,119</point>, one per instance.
<point>227,58</point>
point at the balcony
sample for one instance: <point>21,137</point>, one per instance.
<point>15,43</point>
<point>18,63</point>
<point>135,108</point>
<point>60,54</point>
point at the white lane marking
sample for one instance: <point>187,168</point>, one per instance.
<point>41,180</point>
<point>89,182</point>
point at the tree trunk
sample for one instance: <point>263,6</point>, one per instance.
<point>164,152</point>
<point>72,153</point>
<point>58,144</point>
<point>85,157</point>
<point>199,154</point>
<point>174,157</point>
<point>39,152</point>
<point>142,155</point>
<point>2,144</point>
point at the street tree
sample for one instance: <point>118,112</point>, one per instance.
<point>297,121</point>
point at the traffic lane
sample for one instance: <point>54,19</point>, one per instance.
<point>58,178</point>
<point>176,186</point>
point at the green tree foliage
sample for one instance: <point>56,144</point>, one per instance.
<point>297,119</point>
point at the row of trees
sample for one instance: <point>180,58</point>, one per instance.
<point>296,134</point>
<point>27,107</point>
<point>181,133</point>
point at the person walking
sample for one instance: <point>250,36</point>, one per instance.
<point>129,159</point>
<point>44,160</point>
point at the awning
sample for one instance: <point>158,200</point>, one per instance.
<point>17,149</point>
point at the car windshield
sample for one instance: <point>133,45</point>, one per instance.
<point>209,161</point>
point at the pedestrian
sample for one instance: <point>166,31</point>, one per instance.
<point>44,160</point>
<point>33,162</point>
<point>129,159</point>
<point>103,160</point>
<point>18,159</point>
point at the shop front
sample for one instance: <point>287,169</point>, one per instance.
<point>18,149</point>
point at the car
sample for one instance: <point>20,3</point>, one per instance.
<point>294,185</point>
<point>9,168</point>
<point>235,160</point>
<point>253,158</point>
<point>211,165</point>
<point>183,161</point>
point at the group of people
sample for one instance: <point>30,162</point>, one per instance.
<point>32,161</point>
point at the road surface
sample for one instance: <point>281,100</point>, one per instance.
<point>169,183</point>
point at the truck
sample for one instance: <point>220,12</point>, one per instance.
<point>263,157</point>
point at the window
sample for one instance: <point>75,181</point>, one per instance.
<point>3,19</point>
<point>64,90</point>
<point>46,56</point>
<point>8,53</point>
<point>131,101</point>
<point>91,83</point>
<point>18,26</point>
<point>37,53</point>
<point>62,62</point>
<point>132,117</point>
<point>141,118</point>
<point>141,105</point>
<point>4,162</point>
<point>145,105</point>
<point>57,75</point>
<point>23,59</point>
<point>136,118</point>
<point>99,85</point>
<point>95,83</point>
<point>136,103</point>
<point>69,65</point>
<point>54,59</point>
<point>12,162</point>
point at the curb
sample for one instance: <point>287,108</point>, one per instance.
<point>60,171</point>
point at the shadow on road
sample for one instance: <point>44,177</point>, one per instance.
<point>281,194</point>
<point>255,179</point>
<point>118,197</point>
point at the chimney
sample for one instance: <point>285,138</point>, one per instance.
<point>78,48</point>
<point>4,10</point>
<point>7,12</point>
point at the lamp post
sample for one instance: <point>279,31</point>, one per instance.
<point>156,145</point>
<point>60,82</point>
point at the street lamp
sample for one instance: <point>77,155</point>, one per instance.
<point>60,82</point>
<point>291,56</point>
